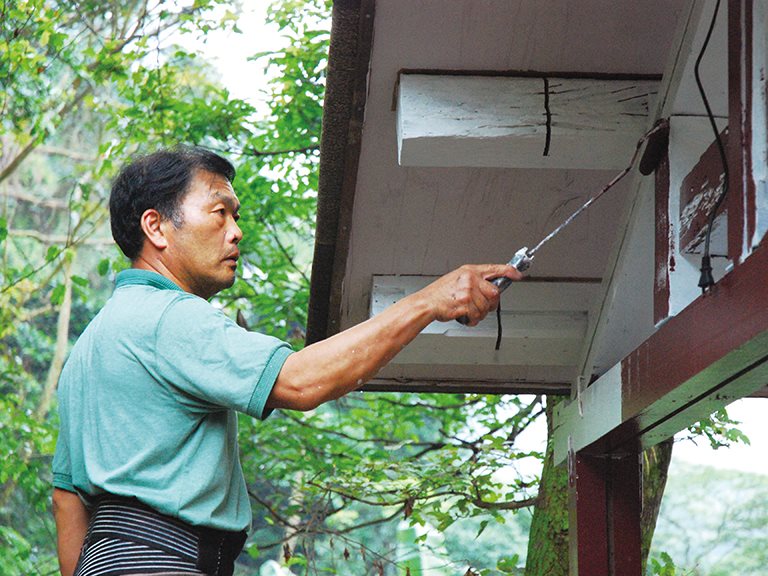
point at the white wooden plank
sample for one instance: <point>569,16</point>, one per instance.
<point>577,426</point>
<point>501,121</point>
<point>759,124</point>
<point>543,324</point>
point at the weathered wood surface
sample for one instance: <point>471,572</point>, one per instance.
<point>511,122</point>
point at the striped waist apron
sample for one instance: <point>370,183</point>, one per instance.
<point>127,537</point>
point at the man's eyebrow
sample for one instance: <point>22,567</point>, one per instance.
<point>218,196</point>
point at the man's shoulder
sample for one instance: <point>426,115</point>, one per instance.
<point>145,301</point>
<point>133,311</point>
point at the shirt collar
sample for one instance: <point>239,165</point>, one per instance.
<point>139,277</point>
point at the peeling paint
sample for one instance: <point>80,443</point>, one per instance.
<point>703,201</point>
<point>699,193</point>
<point>672,248</point>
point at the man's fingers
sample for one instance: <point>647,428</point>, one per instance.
<point>469,293</point>
<point>492,271</point>
<point>486,298</point>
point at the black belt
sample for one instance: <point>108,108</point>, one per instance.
<point>126,536</point>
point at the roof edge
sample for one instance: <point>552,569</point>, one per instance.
<point>343,114</point>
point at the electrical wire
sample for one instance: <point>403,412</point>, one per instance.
<point>498,326</point>
<point>706,281</point>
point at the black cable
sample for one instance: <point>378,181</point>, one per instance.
<point>498,326</point>
<point>706,280</point>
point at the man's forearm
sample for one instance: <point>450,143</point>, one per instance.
<point>72,520</point>
<point>333,367</point>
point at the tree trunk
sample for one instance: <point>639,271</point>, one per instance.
<point>62,341</point>
<point>548,539</point>
<point>655,470</point>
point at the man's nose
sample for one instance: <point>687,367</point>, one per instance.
<point>237,233</point>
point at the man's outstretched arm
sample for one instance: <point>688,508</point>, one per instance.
<point>72,519</point>
<point>333,367</point>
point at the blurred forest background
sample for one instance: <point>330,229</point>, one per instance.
<point>371,484</point>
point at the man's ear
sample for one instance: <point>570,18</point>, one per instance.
<point>152,225</point>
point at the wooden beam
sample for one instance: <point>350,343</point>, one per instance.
<point>543,326</point>
<point>759,109</point>
<point>587,526</point>
<point>455,386</point>
<point>713,352</point>
<point>715,348</point>
<point>673,99</point>
<point>695,171</point>
<point>698,195</point>
<point>524,122</point>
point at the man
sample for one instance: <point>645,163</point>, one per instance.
<point>146,473</point>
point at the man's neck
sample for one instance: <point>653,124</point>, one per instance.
<point>157,266</point>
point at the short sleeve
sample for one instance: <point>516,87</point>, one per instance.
<point>62,464</point>
<point>213,362</point>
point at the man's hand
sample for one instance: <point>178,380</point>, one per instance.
<point>467,292</point>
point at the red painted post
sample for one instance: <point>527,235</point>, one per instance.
<point>588,529</point>
<point>624,506</point>
<point>604,516</point>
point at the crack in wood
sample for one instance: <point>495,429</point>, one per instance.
<point>548,112</point>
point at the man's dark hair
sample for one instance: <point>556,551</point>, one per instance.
<point>160,181</point>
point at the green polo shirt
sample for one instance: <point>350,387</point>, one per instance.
<point>148,401</point>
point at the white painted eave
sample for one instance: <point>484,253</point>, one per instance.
<point>520,122</point>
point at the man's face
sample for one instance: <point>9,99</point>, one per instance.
<point>202,253</point>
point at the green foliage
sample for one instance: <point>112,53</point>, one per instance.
<point>433,461</point>
<point>508,564</point>
<point>21,434</point>
<point>84,86</point>
<point>15,551</point>
<point>662,565</point>
<point>712,522</point>
<point>719,429</point>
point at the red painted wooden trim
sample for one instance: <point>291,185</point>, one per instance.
<point>732,314</point>
<point>699,193</point>
<point>664,244</point>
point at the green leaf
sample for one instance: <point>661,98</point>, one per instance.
<point>103,267</point>
<point>3,229</point>
<point>79,280</point>
<point>52,253</point>
<point>483,526</point>
<point>57,296</point>
<point>253,551</point>
<point>508,564</point>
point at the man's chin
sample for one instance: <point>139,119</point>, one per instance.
<point>221,284</point>
<point>230,280</point>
